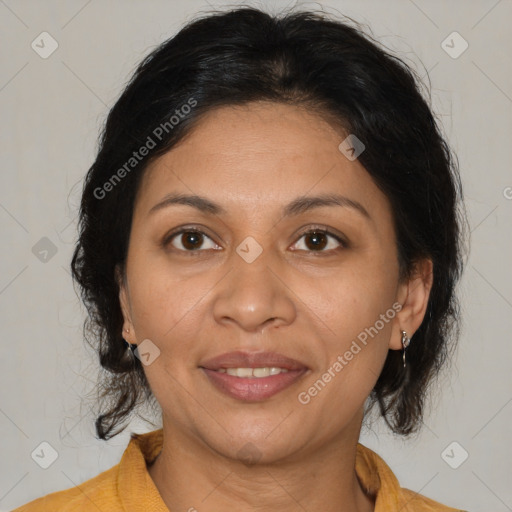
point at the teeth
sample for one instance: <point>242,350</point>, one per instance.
<point>262,372</point>
<point>252,372</point>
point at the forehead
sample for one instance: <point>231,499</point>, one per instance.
<point>260,153</point>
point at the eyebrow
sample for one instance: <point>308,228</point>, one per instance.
<point>295,207</point>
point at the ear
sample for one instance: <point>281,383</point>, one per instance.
<point>125,305</point>
<point>412,295</point>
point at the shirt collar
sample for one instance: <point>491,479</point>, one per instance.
<point>377,479</point>
<point>138,492</point>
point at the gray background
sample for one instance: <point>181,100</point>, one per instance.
<point>52,110</point>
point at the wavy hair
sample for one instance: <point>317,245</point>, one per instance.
<point>310,61</point>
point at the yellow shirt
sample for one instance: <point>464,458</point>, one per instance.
<point>128,487</point>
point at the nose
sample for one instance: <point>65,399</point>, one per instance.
<point>254,296</point>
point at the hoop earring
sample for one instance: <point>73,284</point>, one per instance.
<point>406,341</point>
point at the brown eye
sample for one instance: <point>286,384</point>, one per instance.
<point>316,240</point>
<point>190,240</point>
<point>319,240</point>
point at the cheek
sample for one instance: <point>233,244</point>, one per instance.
<point>163,300</point>
<point>350,299</point>
<point>352,313</point>
<point>355,345</point>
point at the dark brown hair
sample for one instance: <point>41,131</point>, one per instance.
<point>303,59</point>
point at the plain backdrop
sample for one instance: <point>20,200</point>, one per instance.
<point>52,111</point>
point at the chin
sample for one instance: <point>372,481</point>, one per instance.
<point>257,442</point>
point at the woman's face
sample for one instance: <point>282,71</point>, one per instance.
<point>254,281</point>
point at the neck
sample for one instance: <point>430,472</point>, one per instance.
<point>190,476</point>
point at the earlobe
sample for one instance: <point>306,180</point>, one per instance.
<point>413,295</point>
<point>124,303</point>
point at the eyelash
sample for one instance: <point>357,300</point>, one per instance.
<point>343,244</point>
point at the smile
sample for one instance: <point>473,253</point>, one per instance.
<point>252,372</point>
<point>252,384</point>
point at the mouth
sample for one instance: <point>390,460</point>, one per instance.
<point>252,376</point>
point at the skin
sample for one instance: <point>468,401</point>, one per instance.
<point>305,303</point>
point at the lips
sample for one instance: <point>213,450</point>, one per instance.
<point>252,389</point>
<point>241,359</point>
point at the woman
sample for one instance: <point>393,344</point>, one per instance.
<point>269,245</point>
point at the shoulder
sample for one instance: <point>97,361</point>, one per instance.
<point>413,502</point>
<point>379,481</point>
<point>125,483</point>
<point>97,493</point>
